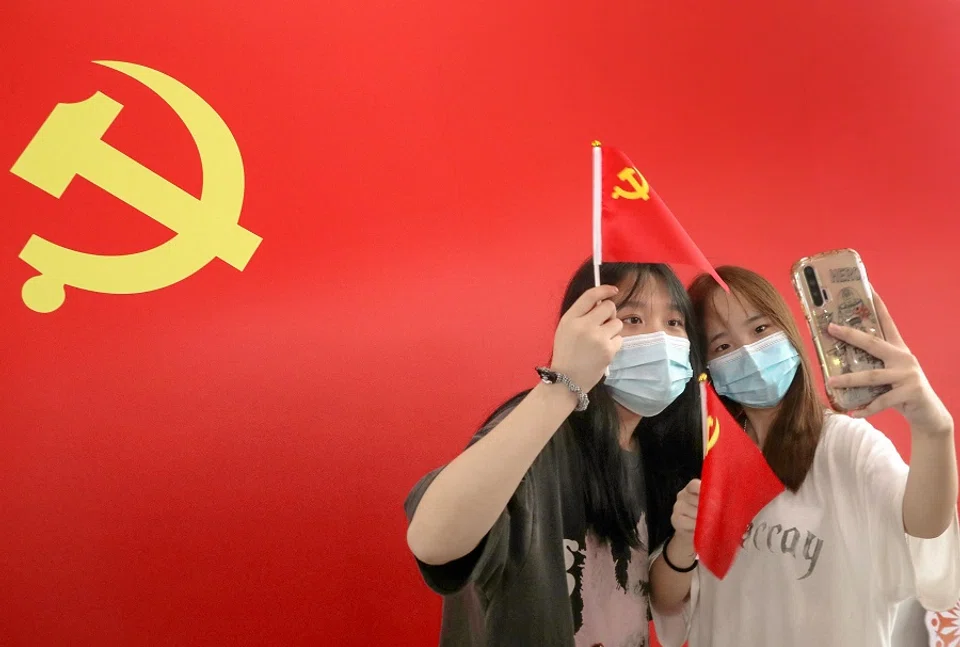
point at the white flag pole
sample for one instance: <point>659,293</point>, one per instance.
<point>705,417</point>
<point>597,210</point>
<point>597,213</point>
<point>703,412</point>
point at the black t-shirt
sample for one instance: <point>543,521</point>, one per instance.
<point>539,577</point>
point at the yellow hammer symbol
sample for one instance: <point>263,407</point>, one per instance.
<point>639,188</point>
<point>713,432</point>
<point>70,144</point>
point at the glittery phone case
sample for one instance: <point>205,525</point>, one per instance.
<point>833,287</point>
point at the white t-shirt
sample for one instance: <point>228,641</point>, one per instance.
<point>825,566</point>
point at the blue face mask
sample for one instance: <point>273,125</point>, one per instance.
<point>758,374</point>
<point>649,372</point>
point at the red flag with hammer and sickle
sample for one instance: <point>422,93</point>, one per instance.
<point>637,226</point>
<point>735,485</point>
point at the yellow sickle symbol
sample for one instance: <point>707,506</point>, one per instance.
<point>69,143</point>
<point>640,189</point>
<point>713,432</point>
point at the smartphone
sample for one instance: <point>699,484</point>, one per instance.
<point>833,287</point>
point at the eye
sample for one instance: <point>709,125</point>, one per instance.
<point>675,323</point>
<point>721,348</point>
<point>633,320</point>
<point>759,329</point>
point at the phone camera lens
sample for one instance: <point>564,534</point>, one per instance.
<point>815,292</point>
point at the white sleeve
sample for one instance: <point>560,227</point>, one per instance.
<point>674,629</point>
<point>937,568</point>
<point>928,569</point>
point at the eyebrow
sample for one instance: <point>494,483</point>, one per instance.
<point>716,337</point>
<point>750,320</point>
<point>632,303</point>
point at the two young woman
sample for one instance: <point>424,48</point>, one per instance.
<point>856,531</point>
<point>538,533</point>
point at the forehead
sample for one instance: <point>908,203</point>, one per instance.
<point>651,291</point>
<point>725,309</point>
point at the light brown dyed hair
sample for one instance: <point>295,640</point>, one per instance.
<point>793,437</point>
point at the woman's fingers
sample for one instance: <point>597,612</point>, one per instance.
<point>589,300</point>
<point>874,377</point>
<point>892,398</point>
<point>886,322</point>
<point>684,516</point>
<point>601,313</point>
<point>612,328</point>
<point>872,344</point>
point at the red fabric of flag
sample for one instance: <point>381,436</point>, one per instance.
<point>735,485</point>
<point>637,227</point>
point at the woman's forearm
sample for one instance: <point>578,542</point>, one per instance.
<point>930,499</point>
<point>669,589</point>
<point>464,501</point>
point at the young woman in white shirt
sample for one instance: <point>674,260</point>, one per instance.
<point>856,531</point>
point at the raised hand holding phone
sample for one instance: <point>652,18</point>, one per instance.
<point>833,288</point>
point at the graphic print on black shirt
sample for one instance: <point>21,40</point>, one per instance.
<point>608,594</point>
<point>608,586</point>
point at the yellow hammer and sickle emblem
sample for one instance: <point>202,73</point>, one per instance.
<point>713,432</point>
<point>639,189</point>
<point>69,143</point>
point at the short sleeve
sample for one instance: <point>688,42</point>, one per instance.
<point>936,563</point>
<point>928,569</point>
<point>673,630</point>
<point>502,550</point>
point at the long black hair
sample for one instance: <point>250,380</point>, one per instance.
<point>671,443</point>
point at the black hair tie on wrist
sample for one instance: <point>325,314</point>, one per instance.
<point>673,566</point>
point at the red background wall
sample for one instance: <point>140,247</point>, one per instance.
<point>223,462</point>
